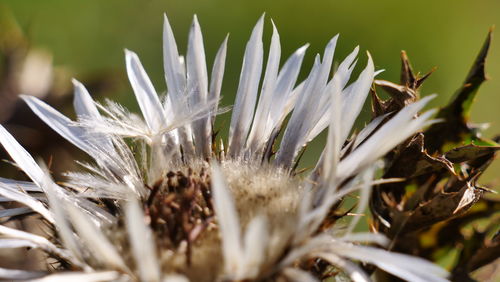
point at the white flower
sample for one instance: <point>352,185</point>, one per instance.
<point>177,207</point>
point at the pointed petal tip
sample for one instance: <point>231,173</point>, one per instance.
<point>195,22</point>
<point>370,61</point>
<point>260,22</point>
<point>378,72</point>
<point>275,30</point>
<point>429,97</point>
<point>369,55</point>
<point>128,52</point>
<point>303,49</point>
<point>24,97</point>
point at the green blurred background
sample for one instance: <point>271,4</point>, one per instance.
<point>88,38</point>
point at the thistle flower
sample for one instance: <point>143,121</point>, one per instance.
<point>163,201</point>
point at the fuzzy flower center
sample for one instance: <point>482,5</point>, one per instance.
<point>180,212</point>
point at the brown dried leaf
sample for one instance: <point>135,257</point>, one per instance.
<point>455,129</point>
<point>443,206</point>
<point>469,152</point>
<point>414,161</point>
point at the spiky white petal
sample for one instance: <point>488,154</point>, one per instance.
<point>14,212</point>
<point>297,275</point>
<point>355,272</point>
<point>268,87</point>
<point>81,277</point>
<point>246,95</point>
<point>404,266</point>
<point>38,241</point>
<point>175,75</point>
<point>95,240</point>
<point>396,130</point>
<point>255,245</point>
<point>142,242</point>
<point>217,75</point>
<point>298,124</point>
<point>19,274</point>
<point>20,185</point>
<point>27,200</point>
<point>22,158</point>
<point>59,123</point>
<point>197,81</point>
<point>145,93</point>
<point>229,224</point>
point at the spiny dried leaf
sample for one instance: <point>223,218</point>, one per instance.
<point>401,94</point>
<point>455,115</point>
<point>443,206</point>
<point>414,161</point>
<point>408,77</point>
<point>469,152</point>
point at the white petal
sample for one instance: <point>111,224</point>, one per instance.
<point>355,272</point>
<point>145,93</point>
<point>14,212</point>
<point>366,237</point>
<point>368,130</point>
<point>364,198</point>
<point>142,241</point>
<point>22,158</point>
<point>355,99</point>
<point>334,143</point>
<point>196,65</point>
<point>56,196</point>
<point>18,274</point>
<point>229,224</point>
<point>27,200</point>
<point>16,243</point>
<point>393,132</point>
<point>95,240</point>
<point>175,278</point>
<point>86,108</point>
<point>175,76</point>
<point>404,266</point>
<point>340,79</point>
<point>246,95</point>
<point>267,93</point>
<point>20,185</point>
<point>298,275</point>
<point>36,240</point>
<point>256,239</point>
<point>326,63</point>
<point>285,84</point>
<point>197,85</point>
<point>218,74</point>
<point>83,102</point>
<point>81,277</point>
<point>298,125</point>
<point>59,123</point>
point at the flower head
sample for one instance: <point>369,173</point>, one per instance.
<point>164,201</point>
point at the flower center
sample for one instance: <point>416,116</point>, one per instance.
<point>181,214</point>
